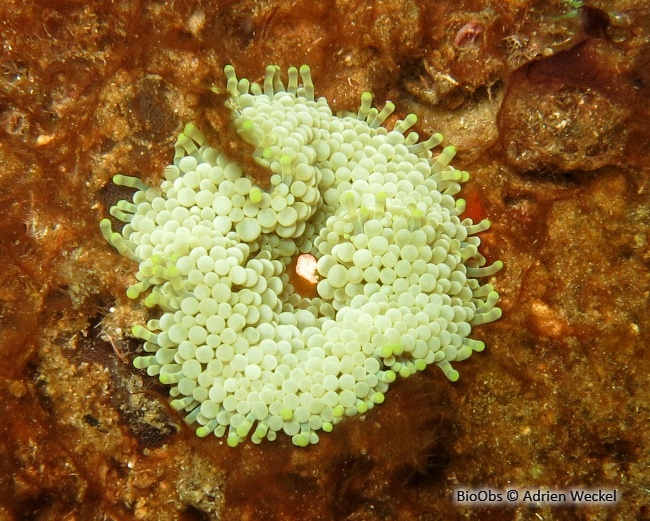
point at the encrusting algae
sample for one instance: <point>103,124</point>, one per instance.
<point>251,339</point>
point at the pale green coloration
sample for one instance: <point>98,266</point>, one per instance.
<point>245,355</point>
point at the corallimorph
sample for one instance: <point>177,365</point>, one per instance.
<point>396,274</point>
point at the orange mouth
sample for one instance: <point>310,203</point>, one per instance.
<point>303,275</point>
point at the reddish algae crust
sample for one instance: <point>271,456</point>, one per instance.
<point>550,116</point>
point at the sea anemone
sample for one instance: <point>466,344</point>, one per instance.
<point>363,217</point>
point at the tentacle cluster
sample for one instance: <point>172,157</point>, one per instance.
<point>246,355</point>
